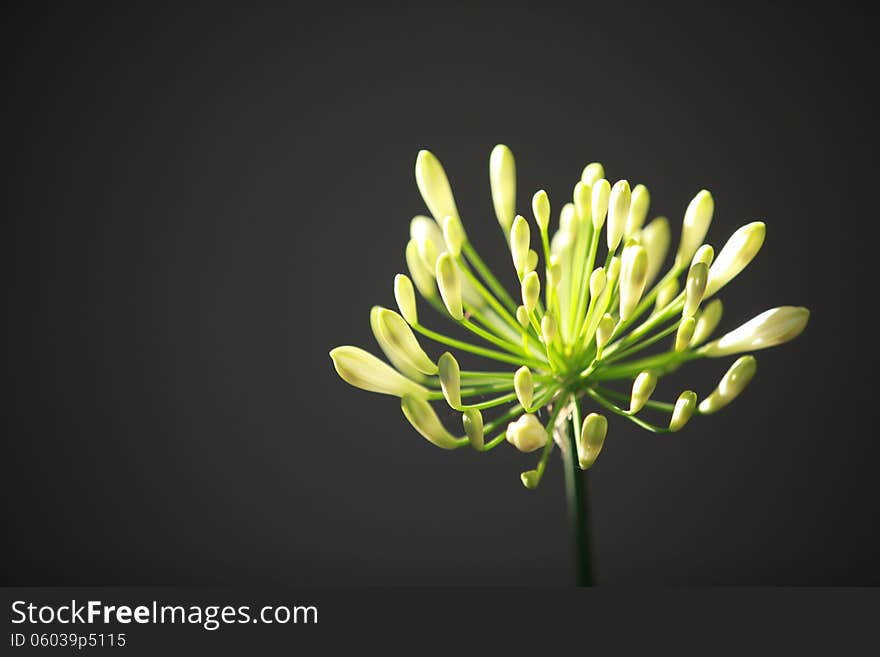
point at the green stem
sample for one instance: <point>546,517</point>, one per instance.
<point>578,510</point>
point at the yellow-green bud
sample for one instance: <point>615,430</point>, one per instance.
<point>400,337</point>
<point>554,272</point>
<point>597,282</point>
<point>707,321</point>
<point>667,292</point>
<point>684,408</point>
<point>604,331</point>
<point>684,334</point>
<point>423,418</point>
<point>524,386</point>
<point>434,186</point>
<point>739,251</point>
<point>450,379</point>
<point>453,235</point>
<point>704,254</point>
<point>696,222</point>
<point>731,385</point>
<point>694,288</point>
<point>655,238</point>
<point>532,260</point>
<point>541,209</point>
<point>522,316</point>
<point>548,328</point>
<point>643,388</point>
<point>582,197</point>
<point>600,193</point>
<point>530,479</point>
<point>531,290</point>
<point>421,275</point>
<point>618,211</point>
<point>633,274</point>
<point>472,420</point>
<point>527,434</point>
<point>592,172</point>
<point>770,328</point>
<point>399,361</point>
<point>405,297</point>
<point>429,238</point>
<point>363,370</point>
<point>502,180</point>
<point>519,243</point>
<point>450,286</point>
<point>638,210</point>
<point>593,432</point>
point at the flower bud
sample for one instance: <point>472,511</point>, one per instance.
<point>600,193</point>
<point>593,432</point>
<point>592,172</point>
<point>554,272</point>
<point>667,292</point>
<point>527,434</point>
<point>638,210</point>
<point>434,187</point>
<point>604,331</point>
<point>739,251</point>
<point>450,379</point>
<point>453,235</point>
<point>582,197</point>
<point>424,420</point>
<point>398,360</point>
<point>400,337</point>
<point>519,243</point>
<point>421,275</point>
<point>731,385</point>
<point>541,209</point>
<point>524,386</point>
<point>618,212</point>
<point>685,406</point>
<point>548,328</point>
<point>643,388</point>
<point>704,254</point>
<point>531,290</point>
<point>531,261</point>
<point>530,479</point>
<point>770,328</point>
<point>363,370</point>
<point>655,238</point>
<point>633,274</point>
<point>597,282</point>
<point>429,238</point>
<point>450,286</point>
<point>522,316</point>
<point>502,180</point>
<point>684,334</point>
<point>707,321</point>
<point>694,288</point>
<point>472,420</point>
<point>696,222</point>
<point>406,298</point>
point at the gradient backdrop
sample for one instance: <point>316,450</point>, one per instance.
<point>203,201</point>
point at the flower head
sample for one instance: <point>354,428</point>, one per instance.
<point>591,333</point>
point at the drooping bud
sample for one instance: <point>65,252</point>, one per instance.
<point>531,260</point>
<point>541,209</point>
<point>655,239</point>
<point>604,331</point>
<point>770,328</point>
<point>618,211</point>
<point>707,321</point>
<point>684,334</point>
<point>522,316</point>
<point>424,420</point>
<point>524,386</point>
<point>406,298</point>
<point>739,251</point>
<point>530,479</point>
<point>531,290</point>
<point>704,254</point>
<point>593,432</point>
<point>600,194</point>
<point>527,434</point>
<point>548,328</point>
<point>421,275</point>
<point>434,187</point>
<point>450,379</point>
<point>502,180</point>
<point>453,235</point>
<point>472,420</point>
<point>582,197</point>
<point>638,210</point>
<point>667,292</point>
<point>519,243</point>
<point>684,408</point>
<point>597,282</point>
<point>450,286</point>
<point>643,388</point>
<point>731,385</point>
<point>633,274</point>
<point>400,337</point>
<point>694,288</point>
<point>592,172</point>
<point>363,370</point>
<point>696,222</point>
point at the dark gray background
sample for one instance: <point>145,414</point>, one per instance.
<point>204,201</point>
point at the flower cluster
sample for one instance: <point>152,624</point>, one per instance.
<point>571,336</point>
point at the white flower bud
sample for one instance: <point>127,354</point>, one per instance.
<point>392,353</point>
<point>604,331</point>
<point>429,238</point>
<point>548,328</point>
<point>527,434</point>
<point>770,328</point>
<point>450,286</point>
<point>739,251</point>
<point>424,420</point>
<point>618,211</point>
<point>522,316</point>
<point>453,235</point>
<point>592,172</point>
<point>541,209</point>
<point>638,210</point>
<point>704,254</point>
<point>667,292</point>
<point>363,370</point>
<point>520,238</point>
<point>696,222</point>
<point>400,337</point>
<point>582,198</point>
<point>406,298</point>
<point>643,388</point>
<point>684,408</point>
<point>421,275</point>
<point>633,274</point>
<point>531,261</point>
<point>684,334</point>
<point>707,321</point>
<point>450,379</point>
<point>600,193</point>
<point>531,290</point>
<point>472,420</point>
<point>731,385</point>
<point>694,288</point>
<point>434,187</point>
<point>597,282</point>
<point>593,432</point>
<point>524,386</point>
<point>502,180</point>
<point>655,238</point>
